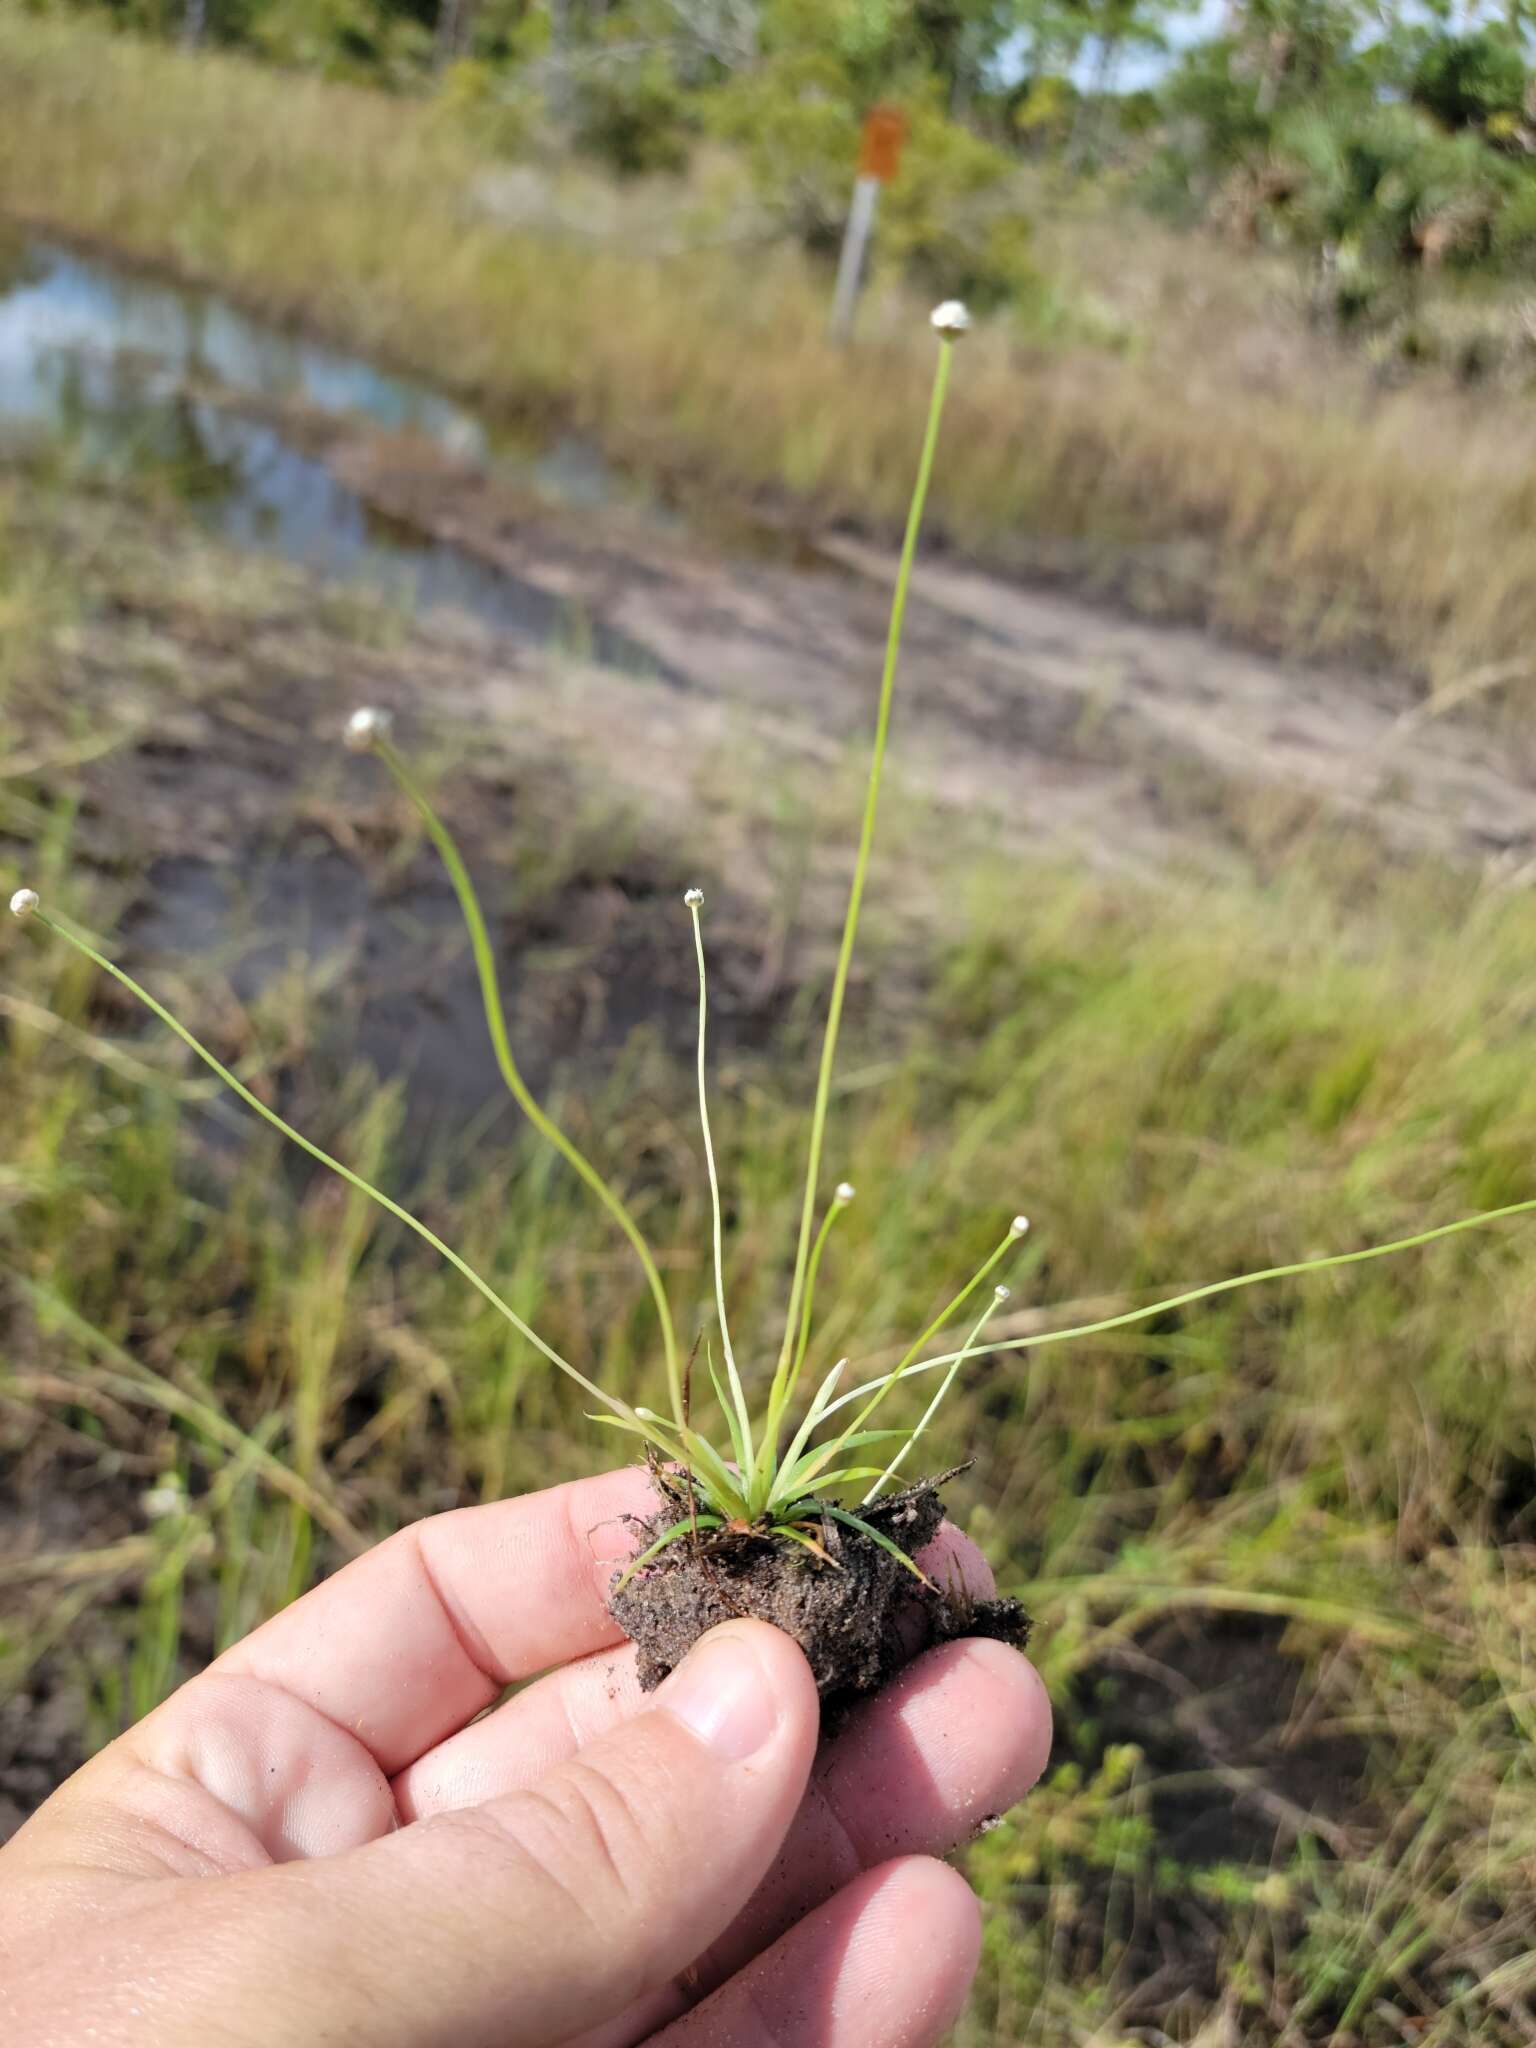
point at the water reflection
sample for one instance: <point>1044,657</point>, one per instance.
<point>58,304</point>
<point>110,363</point>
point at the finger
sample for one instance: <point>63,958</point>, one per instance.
<point>887,1963</point>
<point>955,1563</point>
<point>412,1640</point>
<point>955,1740</point>
<point>229,1775</point>
<point>531,1918</point>
<point>538,1729</point>
<point>282,1749</point>
<point>547,1912</point>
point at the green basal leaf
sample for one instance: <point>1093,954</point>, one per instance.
<point>795,1478</point>
<point>738,1441</point>
<point>809,1543</point>
<point>670,1536</point>
<point>711,1470</point>
<point>647,1432</point>
<point>852,1521</point>
<point>809,1422</point>
<point>695,1455</point>
<point>843,1476</point>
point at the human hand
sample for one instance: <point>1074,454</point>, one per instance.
<point>316,1841</point>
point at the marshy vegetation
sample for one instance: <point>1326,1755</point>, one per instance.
<point>1204,451</point>
<point>1278,1544</point>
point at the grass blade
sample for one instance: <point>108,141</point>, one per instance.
<point>853,1521</point>
<point>667,1537</point>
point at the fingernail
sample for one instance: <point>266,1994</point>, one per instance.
<point>722,1695</point>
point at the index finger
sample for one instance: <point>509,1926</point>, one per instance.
<point>411,1640</point>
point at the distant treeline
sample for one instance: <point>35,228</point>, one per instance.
<point>1378,140</point>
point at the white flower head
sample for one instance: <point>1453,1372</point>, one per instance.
<point>366,727</point>
<point>1018,1226</point>
<point>951,319</point>
<point>24,902</point>
<point>164,1498</point>
<point>845,1191</point>
<point>694,898</point>
<point>1000,1292</point>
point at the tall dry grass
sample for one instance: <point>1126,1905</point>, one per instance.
<point>1323,517</point>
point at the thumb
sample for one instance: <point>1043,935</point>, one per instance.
<point>545,1912</point>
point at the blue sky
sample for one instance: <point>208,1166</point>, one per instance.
<point>1135,67</point>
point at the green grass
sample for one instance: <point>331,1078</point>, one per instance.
<point>244,1373</point>
<point>1318,512</point>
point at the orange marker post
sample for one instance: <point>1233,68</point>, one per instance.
<point>885,130</point>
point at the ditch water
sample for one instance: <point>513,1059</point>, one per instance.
<point>113,365</point>
<point>131,377</point>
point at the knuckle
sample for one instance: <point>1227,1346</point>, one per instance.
<point>490,1840</point>
<point>591,1856</point>
<point>594,1830</point>
<point>844,1851</point>
<point>516,1855</point>
<point>599,1841</point>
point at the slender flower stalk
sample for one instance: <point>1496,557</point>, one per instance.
<point>1127,1318</point>
<point>30,908</point>
<point>999,1296</point>
<point>842,1195</point>
<point>747,1484</point>
<point>949,330</point>
<point>879,1389</point>
<point>368,730</point>
<point>695,902</point>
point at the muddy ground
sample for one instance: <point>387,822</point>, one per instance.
<point>1110,738</point>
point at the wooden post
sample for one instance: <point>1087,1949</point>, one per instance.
<point>885,129</point>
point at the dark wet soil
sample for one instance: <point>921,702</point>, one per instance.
<point>1245,1759</point>
<point>1244,1755</point>
<point>582,971</point>
<point>859,1617</point>
<point>249,855</point>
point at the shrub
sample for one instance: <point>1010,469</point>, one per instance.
<point>797,127</point>
<point>1390,183</point>
<point>350,40</point>
<point>496,112</point>
<point>630,113</point>
<point>952,218</point>
<point>1468,80</point>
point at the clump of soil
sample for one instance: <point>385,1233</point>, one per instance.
<point>858,1619</point>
